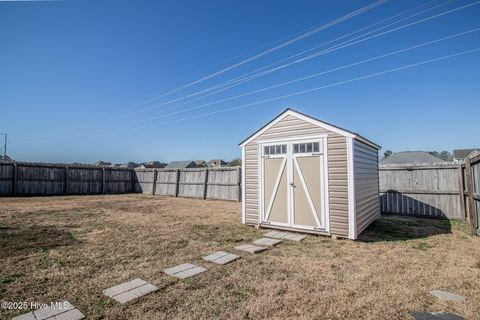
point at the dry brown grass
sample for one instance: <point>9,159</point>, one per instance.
<point>73,247</point>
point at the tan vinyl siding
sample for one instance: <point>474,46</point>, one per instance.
<point>367,202</point>
<point>337,170</point>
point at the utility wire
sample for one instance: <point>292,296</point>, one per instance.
<point>256,73</point>
<point>257,56</point>
<point>302,60</point>
<point>295,80</point>
<point>297,93</point>
<point>296,38</point>
<point>306,91</point>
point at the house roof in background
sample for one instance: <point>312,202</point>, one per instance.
<point>102,163</point>
<point>152,164</point>
<point>216,162</point>
<point>129,164</point>
<point>461,154</point>
<point>411,157</point>
<point>180,164</point>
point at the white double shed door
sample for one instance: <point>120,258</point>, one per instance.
<point>294,183</point>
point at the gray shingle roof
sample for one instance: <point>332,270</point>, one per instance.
<point>411,157</point>
<point>182,164</point>
<point>461,154</point>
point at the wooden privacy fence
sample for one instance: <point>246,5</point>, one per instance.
<point>207,183</point>
<point>431,190</point>
<point>470,181</point>
<point>25,178</point>
<point>442,190</point>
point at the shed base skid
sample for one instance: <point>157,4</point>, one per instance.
<point>316,232</point>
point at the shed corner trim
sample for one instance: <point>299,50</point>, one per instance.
<point>352,221</point>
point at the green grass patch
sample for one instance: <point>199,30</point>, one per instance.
<point>9,278</point>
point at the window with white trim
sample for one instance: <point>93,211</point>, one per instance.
<point>309,147</point>
<point>276,149</point>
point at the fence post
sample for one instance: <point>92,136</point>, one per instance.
<point>239,183</point>
<point>15,179</point>
<point>154,186</point>
<point>65,182</point>
<point>462,189</point>
<point>177,185</point>
<point>205,185</point>
<point>471,212</point>
<point>103,181</point>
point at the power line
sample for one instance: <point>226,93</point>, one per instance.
<point>296,38</point>
<point>249,76</point>
<point>306,91</point>
<point>410,24</point>
<point>295,80</point>
<point>259,55</point>
<point>317,55</point>
<point>297,93</point>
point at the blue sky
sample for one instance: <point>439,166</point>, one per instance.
<point>65,65</point>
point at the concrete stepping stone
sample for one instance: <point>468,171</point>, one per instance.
<point>276,234</point>
<point>130,290</point>
<point>435,316</point>
<point>285,235</point>
<point>250,248</point>
<point>58,311</point>
<point>267,242</point>
<point>447,295</point>
<point>221,257</point>
<point>184,271</point>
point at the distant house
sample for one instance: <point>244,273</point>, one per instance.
<point>182,164</point>
<point>200,163</point>
<point>101,163</point>
<point>151,164</point>
<point>405,157</point>
<point>461,154</point>
<point>129,164</point>
<point>5,158</point>
<point>217,163</point>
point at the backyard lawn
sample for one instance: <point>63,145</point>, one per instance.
<point>70,248</point>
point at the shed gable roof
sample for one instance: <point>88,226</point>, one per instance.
<point>302,116</point>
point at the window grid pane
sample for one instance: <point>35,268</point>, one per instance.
<point>310,147</point>
<point>276,149</point>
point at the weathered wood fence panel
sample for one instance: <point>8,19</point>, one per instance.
<point>224,183</point>
<point>144,179</point>
<point>471,190</point>
<point>430,190</point>
<point>36,179</point>
<point>167,181</point>
<point>208,183</point>
<point>192,183</point>
<point>6,179</point>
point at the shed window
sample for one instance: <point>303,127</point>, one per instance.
<point>276,149</point>
<point>306,147</point>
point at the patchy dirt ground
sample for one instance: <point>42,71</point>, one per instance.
<point>56,248</point>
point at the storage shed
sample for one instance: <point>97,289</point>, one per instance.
<point>303,174</point>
